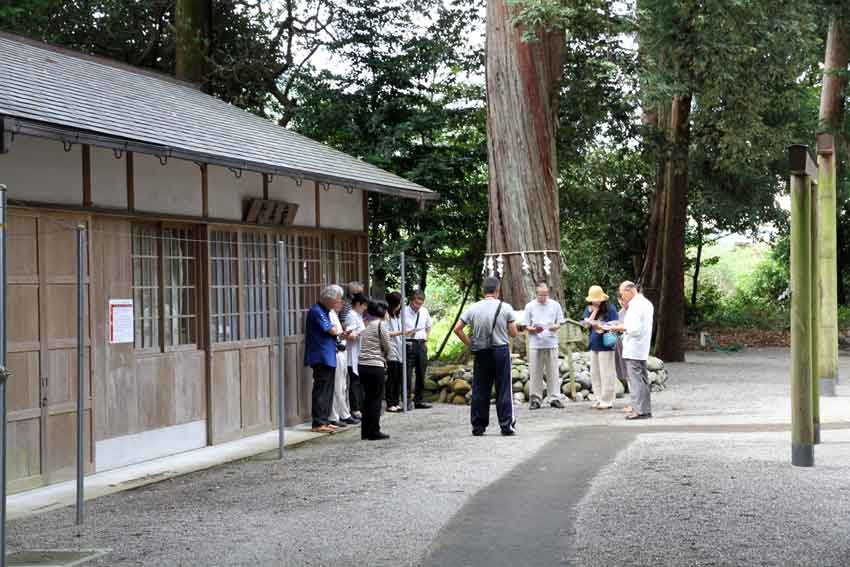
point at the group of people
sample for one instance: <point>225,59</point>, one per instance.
<point>356,346</point>
<point>619,345</point>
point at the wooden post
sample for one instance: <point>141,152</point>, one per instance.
<point>802,425</point>
<point>827,267</point>
<point>817,301</point>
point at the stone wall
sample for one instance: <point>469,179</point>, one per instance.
<point>452,383</point>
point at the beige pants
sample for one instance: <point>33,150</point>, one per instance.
<point>603,376</point>
<point>544,362</point>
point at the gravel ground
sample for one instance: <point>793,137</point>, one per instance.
<point>705,499</point>
<point>719,499</point>
<point>336,501</point>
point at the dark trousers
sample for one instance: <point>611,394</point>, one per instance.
<point>492,366</point>
<point>372,378</point>
<point>394,378</point>
<point>323,393</point>
<point>355,391</point>
<point>417,362</point>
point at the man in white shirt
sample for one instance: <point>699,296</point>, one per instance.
<point>543,320</point>
<point>637,335</point>
<point>417,327</point>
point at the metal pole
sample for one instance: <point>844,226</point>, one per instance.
<point>802,434</point>
<point>282,293</point>
<point>403,342</point>
<point>81,378</point>
<point>3,374</point>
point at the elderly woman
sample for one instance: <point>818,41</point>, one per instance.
<point>320,354</point>
<point>375,348</point>
<point>603,373</point>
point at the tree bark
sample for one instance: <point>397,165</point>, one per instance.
<point>650,277</point>
<point>670,344</point>
<point>522,108</point>
<point>698,262</point>
<point>192,26</point>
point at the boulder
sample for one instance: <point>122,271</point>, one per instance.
<point>460,386</point>
<point>518,387</point>
<point>458,373</point>
<point>654,364</point>
<point>619,389</point>
<point>526,388</point>
<point>519,397</point>
<point>444,396</point>
<point>431,386</point>
<point>459,400</point>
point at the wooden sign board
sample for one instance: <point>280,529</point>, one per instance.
<point>263,211</point>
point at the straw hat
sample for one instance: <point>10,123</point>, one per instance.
<point>595,293</point>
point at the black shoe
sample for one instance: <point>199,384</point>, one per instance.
<point>556,403</point>
<point>477,432</point>
<point>339,424</point>
<point>534,404</point>
<point>422,405</point>
<point>377,436</point>
<point>351,420</point>
<point>509,432</point>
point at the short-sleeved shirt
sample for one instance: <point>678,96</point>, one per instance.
<point>424,322</point>
<point>480,317</point>
<point>595,344</point>
<point>319,345</point>
<point>544,315</point>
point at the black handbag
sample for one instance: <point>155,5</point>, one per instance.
<point>409,345</point>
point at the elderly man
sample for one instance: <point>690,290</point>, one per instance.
<point>320,354</point>
<point>417,327</point>
<point>493,322</point>
<point>543,319</point>
<point>637,334</point>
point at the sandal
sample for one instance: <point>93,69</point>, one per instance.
<point>633,415</point>
<point>394,409</point>
<point>628,409</point>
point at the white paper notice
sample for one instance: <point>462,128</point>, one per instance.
<point>120,321</point>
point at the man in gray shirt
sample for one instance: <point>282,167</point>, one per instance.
<point>493,323</point>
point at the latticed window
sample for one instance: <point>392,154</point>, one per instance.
<point>145,255</point>
<point>255,248</point>
<point>180,286</point>
<point>224,286</point>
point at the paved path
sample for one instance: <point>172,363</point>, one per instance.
<point>712,468</point>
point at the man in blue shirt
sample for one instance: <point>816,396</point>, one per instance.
<point>320,355</point>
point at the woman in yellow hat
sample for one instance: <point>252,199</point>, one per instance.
<point>603,372</point>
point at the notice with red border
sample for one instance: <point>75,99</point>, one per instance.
<point>120,321</point>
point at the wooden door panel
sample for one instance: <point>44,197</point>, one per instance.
<point>23,388</point>
<point>23,248</point>
<point>62,445</point>
<point>226,396</point>
<point>255,388</point>
<point>23,456</point>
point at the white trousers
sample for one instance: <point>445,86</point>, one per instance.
<point>544,362</point>
<point>339,407</point>
<point>603,376</point>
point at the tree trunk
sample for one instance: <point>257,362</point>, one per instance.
<point>451,328</point>
<point>423,276</point>
<point>192,26</point>
<point>695,287</point>
<point>379,284</point>
<point>830,126</point>
<point>650,277</point>
<point>522,107</point>
<point>670,344</point>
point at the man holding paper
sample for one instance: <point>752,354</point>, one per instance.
<point>543,319</point>
<point>417,329</point>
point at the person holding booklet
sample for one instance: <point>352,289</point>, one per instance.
<point>354,327</point>
<point>543,319</point>
<point>417,327</point>
<point>599,316</point>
